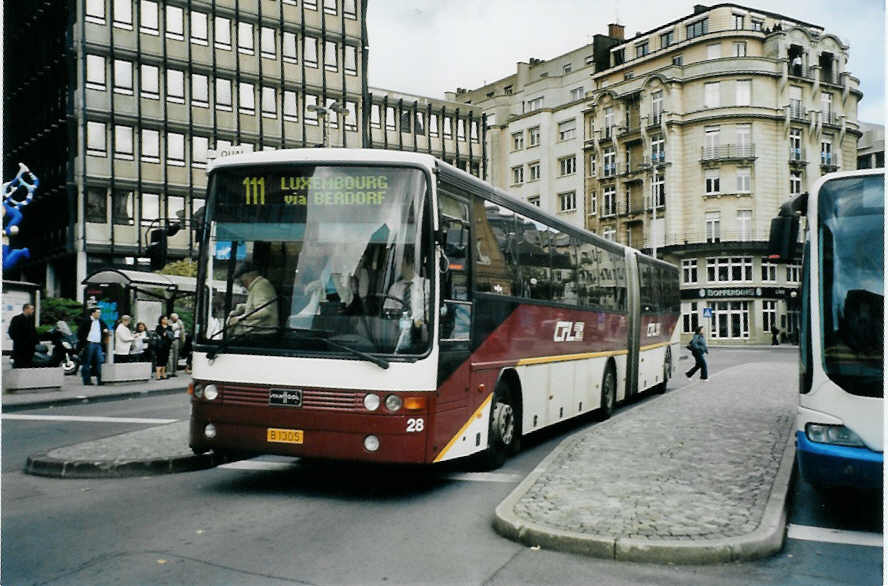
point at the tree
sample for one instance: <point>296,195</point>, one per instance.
<point>53,309</point>
<point>182,268</point>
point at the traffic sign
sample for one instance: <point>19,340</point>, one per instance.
<point>707,312</point>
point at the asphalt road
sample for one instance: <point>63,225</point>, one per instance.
<point>277,521</point>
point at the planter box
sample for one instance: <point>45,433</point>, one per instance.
<point>126,372</point>
<point>21,379</point>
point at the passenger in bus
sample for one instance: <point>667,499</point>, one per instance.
<point>259,314</point>
<point>408,292</point>
<point>698,348</point>
<point>406,298</point>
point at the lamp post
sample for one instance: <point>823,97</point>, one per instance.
<point>323,113</point>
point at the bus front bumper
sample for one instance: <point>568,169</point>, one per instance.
<point>827,465</point>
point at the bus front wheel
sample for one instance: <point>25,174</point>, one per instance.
<point>502,436</point>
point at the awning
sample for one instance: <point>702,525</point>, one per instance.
<point>144,281</point>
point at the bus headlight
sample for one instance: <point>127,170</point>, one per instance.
<point>371,402</point>
<point>210,431</point>
<point>371,443</point>
<point>837,435</point>
<point>393,403</point>
<point>210,392</point>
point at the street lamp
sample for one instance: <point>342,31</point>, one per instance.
<point>323,113</point>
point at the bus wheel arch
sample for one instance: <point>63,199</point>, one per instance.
<point>608,390</point>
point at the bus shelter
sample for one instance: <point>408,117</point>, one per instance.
<point>141,294</point>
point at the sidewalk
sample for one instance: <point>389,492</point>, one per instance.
<point>700,475</point>
<point>74,391</point>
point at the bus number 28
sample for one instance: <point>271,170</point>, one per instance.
<point>414,425</point>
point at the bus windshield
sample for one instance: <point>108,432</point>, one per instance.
<point>850,231</point>
<point>319,259</point>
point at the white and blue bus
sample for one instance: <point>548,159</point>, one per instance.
<point>839,428</point>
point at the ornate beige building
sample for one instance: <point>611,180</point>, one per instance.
<point>697,132</point>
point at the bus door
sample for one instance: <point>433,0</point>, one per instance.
<point>633,308</point>
<point>455,312</point>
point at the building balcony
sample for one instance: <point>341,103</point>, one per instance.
<point>655,159</point>
<point>610,171</point>
<point>797,156</point>
<point>828,163</point>
<point>831,118</point>
<point>656,119</point>
<point>749,239</point>
<point>797,112</point>
<point>727,152</point>
<point>632,207</point>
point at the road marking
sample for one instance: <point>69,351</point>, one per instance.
<point>85,419</point>
<point>808,533</point>
<point>268,465</point>
<point>486,477</point>
<point>259,465</point>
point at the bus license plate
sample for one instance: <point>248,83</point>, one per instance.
<point>284,436</point>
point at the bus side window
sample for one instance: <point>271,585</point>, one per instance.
<point>454,283</point>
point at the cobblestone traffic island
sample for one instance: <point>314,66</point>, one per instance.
<point>697,475</point>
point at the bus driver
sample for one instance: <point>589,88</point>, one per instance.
<point>259,314</point>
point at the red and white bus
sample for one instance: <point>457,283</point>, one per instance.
<point>387,307</point>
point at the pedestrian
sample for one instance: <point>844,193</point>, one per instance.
<point>24,337</point>
<point>163,341</point>
<point>698,348</point>
<point>139,350</point>
<point>178,342</point>
<point>91,331</point>
<point>775,331</point>
<point>123,340</point>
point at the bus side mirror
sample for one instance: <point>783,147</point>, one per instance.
<point>783,238</point>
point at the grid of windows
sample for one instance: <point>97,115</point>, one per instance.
<point>690,317</point>
<point>567,201</point>
<point>737,269</point>
<point>567,165</point>
<point>567,130</point>
<point>730,319</point>
<point>689,270</point>
<point>769,271</point>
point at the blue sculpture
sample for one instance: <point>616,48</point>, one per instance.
<point>12,213</point>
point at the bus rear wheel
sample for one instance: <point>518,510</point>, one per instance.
<point>667,371</point>
<point>608,393</point>
<point>504,431</point>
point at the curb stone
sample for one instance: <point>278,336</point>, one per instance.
<point>160,449</point>
<point>45,465</point>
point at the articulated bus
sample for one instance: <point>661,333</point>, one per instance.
<point>839,427</point>
<point>388,307</point>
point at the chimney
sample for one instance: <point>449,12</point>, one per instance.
<point>615,31</point>
<point>698,8</point>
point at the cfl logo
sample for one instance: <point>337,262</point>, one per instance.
<point>653,329</point>
<point>569,331</point>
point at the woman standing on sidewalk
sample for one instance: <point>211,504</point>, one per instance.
<point>123,340</point>
<point>164,335</point>
<point>698,348</point>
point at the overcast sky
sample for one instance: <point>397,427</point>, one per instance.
<point>427,47</point>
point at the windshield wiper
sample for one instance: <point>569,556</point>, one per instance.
<point>380,362</point>
<point>213,352</point>
<point>240,318</point>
